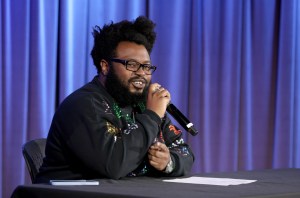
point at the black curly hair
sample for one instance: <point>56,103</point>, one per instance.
<point>106,40</point>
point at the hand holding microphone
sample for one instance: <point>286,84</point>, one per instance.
<point>158,99</point>
<point>162,96</point>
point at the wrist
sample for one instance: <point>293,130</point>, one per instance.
<point>170,167</point>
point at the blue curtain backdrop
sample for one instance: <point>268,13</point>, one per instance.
<point>232,66</point>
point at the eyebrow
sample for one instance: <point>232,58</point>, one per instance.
<point>145,62</point>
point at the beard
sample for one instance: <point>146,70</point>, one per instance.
<point>120,92</point>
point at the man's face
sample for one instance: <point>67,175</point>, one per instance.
<point>128,87</point>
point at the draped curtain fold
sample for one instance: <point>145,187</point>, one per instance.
<point>232,66</point>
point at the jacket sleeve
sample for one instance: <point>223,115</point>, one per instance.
<point>103,143</point>
<point>181,153</point>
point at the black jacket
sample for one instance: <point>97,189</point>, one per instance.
<point>88,139</point>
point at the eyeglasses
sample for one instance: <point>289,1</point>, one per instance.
<point>134,66</point>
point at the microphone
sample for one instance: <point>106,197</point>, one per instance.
<point>181,119</point>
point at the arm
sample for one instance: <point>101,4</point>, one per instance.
<point>172,153</point>
<point>95,139</point>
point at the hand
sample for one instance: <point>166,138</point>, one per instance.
<point>159,156</point>
<point>158,99</point>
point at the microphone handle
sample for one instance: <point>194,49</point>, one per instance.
<point>181,119</point>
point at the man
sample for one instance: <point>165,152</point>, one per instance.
<point>116,125</point>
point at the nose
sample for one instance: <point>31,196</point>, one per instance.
<point>140,71</point>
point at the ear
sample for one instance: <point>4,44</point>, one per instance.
<point>104,67</point>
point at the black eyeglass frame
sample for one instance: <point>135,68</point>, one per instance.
<point>152,68</point>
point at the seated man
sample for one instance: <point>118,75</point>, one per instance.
<point>116,125</point>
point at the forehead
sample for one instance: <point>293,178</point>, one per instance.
<point>131,50</point>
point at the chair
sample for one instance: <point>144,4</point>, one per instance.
<point>33,153</point>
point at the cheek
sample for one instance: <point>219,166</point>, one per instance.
<point>123,76</point>
<point>148,78</point>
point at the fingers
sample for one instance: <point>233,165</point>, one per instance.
<point>157,91</point>
<point>156,88</point>
<point>158,99</point>
<point>159,155</point>
<point>158,150</point>
<point>159,147</point>
<point>158,163</point>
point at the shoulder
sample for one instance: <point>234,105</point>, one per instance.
<point>87,97</point>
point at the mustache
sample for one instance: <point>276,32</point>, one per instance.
<point>112,76</point>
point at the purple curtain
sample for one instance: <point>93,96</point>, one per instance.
<point>232,67</point>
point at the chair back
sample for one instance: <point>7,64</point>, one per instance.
<point>33,153</point>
